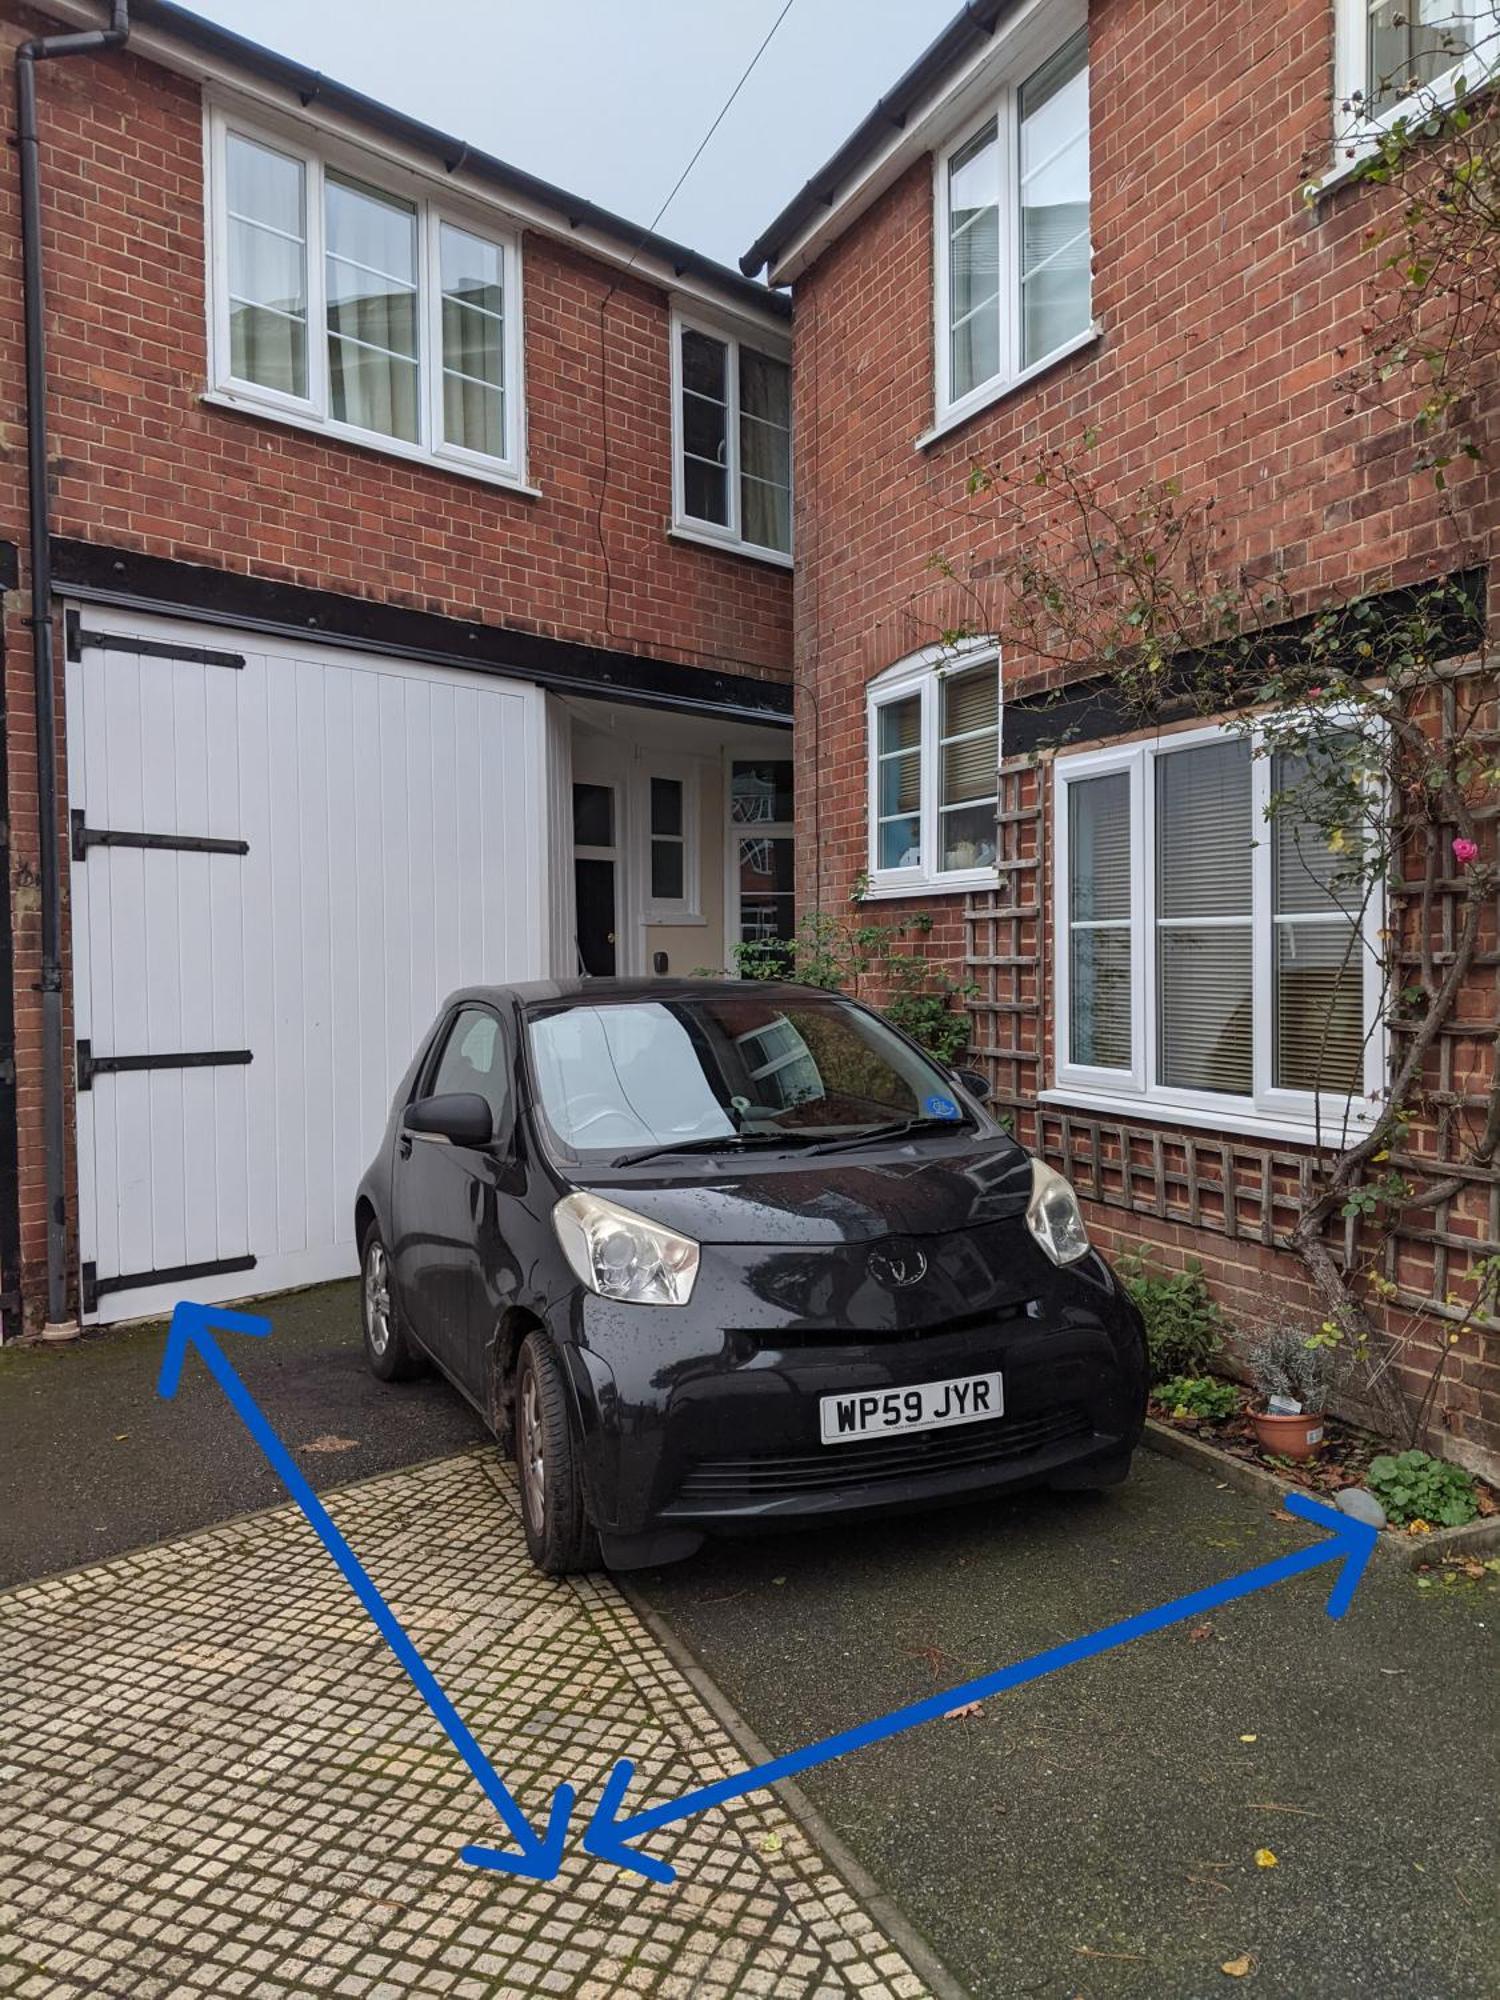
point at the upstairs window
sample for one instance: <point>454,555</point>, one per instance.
<point>732,433</point>
<point>934,736</point>
<point>1013,276</point>
<point>360,308</point>
<point>1209,956</point>
<point>1392,57</point>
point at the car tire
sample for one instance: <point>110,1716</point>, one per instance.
<point>560,1536</point>
<point>390,1353</point>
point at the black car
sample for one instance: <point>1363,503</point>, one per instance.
<point>710,1255</point>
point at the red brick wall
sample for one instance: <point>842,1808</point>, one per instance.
<point>1229,308</point>
<point>142,463</point>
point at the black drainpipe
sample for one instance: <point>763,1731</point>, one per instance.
<point>54,1130</point>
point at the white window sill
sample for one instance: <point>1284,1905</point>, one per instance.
<point>669,920</point>
<point>1352,149</point>
<point>986,399</point>
<point>935,885</point>
<point>461,468</point>
<point>1232,1121</point>
<point>704,538</point>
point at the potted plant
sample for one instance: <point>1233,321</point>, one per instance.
<point>1294,1380</point>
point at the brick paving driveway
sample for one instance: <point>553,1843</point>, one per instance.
<point>214,1778</point>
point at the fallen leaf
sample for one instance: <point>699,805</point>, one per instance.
<point>328,1442</point>
<point>1238,1968</point>
<point>1281,1514</point>
<point>1201,1632</point>
<point>120,1436</point>
<point>1264,1858</point>
<point>962,1714</point>
<point>1249,1739</point>
<point>771,1844</point>
<point>1419,1527</point>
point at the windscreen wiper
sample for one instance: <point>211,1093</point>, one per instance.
<point>726,1142</point>
<point>875,1134</point>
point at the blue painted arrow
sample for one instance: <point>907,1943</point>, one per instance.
<point>192,1327</point>
<point>1350,1544</point>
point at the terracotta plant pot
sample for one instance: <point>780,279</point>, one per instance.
<point>1289,1437</point>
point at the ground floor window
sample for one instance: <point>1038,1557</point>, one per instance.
<point>761,867</point>
<point>1209,950</point>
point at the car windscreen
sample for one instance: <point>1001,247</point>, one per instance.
<point>625,1076</point>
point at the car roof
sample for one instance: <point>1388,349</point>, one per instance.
<point>529,993</point>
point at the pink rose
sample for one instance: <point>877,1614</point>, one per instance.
<point>1313,693</point>
<point>1465,851</point>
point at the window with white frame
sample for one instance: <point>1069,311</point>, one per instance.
<point>934,736</point>
<point>1211,954</point>
<point>361,307</point>
<point>1392,57</point>
<point>1014,260</point>
<point>732,438</point>
<point>671,838</point>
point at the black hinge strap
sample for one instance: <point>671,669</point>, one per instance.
<point>90,1065</point>
<point>85,837</point>
<point>93,1287</point>
<point>79,637</point>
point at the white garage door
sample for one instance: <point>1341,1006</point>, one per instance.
<point>283,858</point>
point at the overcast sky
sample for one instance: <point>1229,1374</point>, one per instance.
<point>609,98</point>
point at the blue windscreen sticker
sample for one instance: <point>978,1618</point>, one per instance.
<point>941,1107</point>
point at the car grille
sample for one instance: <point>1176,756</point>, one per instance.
<point>885,1459</point>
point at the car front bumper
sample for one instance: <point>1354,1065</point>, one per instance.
<point>705,1419</point>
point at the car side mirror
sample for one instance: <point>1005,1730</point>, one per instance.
<point>975,1082</point>
<point>462,1117</point>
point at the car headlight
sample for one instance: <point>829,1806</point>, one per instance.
<point>1054,1217</point>
<point>623,1256</point>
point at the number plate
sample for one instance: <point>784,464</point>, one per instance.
<point>924,1406</point>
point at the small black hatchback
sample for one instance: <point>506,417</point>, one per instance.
<point>713,1255</point>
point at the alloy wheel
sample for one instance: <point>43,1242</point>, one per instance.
<point>533,1451</point>
<point>377,1298</point>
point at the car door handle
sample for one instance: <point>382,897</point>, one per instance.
<point>404,1145</point>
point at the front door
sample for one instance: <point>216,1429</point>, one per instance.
<point>445,1200</point>
<point>595,885</point>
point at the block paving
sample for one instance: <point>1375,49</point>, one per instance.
<point>215,1779</point>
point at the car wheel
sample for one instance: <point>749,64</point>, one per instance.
<point>391,1356</point>
<point>559,1533</point>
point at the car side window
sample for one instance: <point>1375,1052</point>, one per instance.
<point>473,1059</point>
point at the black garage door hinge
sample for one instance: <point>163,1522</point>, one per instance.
<point>85,837</point>
<point>90,1065</point>
<point>93,1287</point>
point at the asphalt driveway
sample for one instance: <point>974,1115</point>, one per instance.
<point>1095,1834</point>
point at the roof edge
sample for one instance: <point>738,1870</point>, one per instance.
<point>975,23</point>
<point>208,38</point>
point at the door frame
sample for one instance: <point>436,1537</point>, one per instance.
<point>598,761</point>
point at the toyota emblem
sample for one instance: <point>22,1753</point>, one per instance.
<point>898,1266</point>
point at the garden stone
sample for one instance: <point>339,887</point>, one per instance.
<point>1363,1506</point>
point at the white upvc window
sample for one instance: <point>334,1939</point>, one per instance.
<point>1014,262</point>
<point>1211,959</point>
<point>668,818</point>
<point>731,437</point>
<point>934,758</point>
<point>1395,58</point>
<point>347,300</point>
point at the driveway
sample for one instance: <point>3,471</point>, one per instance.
<point>1095,1834</point>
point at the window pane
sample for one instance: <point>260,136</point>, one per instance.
<point>473,274</point>
<point>1099,849</point>
<point>974,261</point>
<point>705,428</point>
<point>703,364</point>
<point>705,492</point>
<point>767,904</point>
<point>666,805</point>
<point>1205,1008</point>
<point>1319,1008</point>
<point>901,724</point>
<point>966,836</point>
<point>474,1060</point>
<point>1099,997</point>
<point>971,736</point>
<point>666,871</point>
<point>1413,42</point>
<point>1203,831</point>
<point>267,253</point>
<point>900,843</point>
<point>1307,876</point>
<point>372,308</point>
<point>1055,300</point>
<point>765,451</point>
<point>593,815</point>
<point>760,792</point>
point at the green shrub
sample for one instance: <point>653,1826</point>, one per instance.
<point>1184,1327</point>
<point>1199,1396</point>
<point>1413,1487</point>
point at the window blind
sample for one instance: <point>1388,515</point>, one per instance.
<point>969,738</point>
<point>1205,1017</point>
<point>1099,856</point>
<point>1318,964</point>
